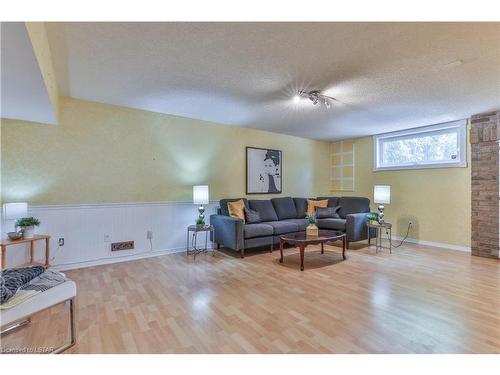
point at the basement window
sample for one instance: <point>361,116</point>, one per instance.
<point>435,146</point>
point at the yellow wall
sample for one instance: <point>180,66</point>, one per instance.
<point>40,43</point>
<point>437,200</point>
<point>102,153</point>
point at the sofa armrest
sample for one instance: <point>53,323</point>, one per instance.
<point>228,231</point>
<point>356,227</point>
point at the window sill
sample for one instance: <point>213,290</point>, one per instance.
<point>421,166</point>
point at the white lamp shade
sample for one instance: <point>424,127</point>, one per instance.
<point>382,194</point>
<point>14,211</point>
<point>200,194</point>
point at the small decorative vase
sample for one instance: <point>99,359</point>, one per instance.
<point>29,232</point>
<point>312,230</point>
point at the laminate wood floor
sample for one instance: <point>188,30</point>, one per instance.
<point>417,300</point>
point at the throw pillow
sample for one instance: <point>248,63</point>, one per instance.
<point>327,213</point>
<point>311,205</point>
<point>252,216</point>
<point>236,209</point>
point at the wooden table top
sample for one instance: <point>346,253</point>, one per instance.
<point>7,242</point>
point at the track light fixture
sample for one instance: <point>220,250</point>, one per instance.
<point>315,97</point>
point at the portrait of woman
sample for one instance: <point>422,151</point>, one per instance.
<point>263,171</point>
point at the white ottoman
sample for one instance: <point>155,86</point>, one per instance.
<point>20,314</point>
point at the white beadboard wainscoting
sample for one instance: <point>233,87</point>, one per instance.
<point>85,226</point>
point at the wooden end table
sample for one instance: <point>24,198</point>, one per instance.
<point>37,237</point>
<point>302,240</point>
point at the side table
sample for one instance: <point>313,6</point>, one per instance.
<point>191,247</point>
<point>378,239</point>
<point>37,237</point>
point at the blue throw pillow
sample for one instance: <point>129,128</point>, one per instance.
<point>252,216</point>
<point>327,212</point>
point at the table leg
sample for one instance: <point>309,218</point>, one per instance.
<point>343,248</point>
<point>322,248</point>
<point>369,238</point>
<point>281,250</point>
<point>187,243</point>
<point>301,248</point>
<point>213,249</point>
<point>4,254</point>
<point>32,252</point>
<point>47,252</point>
<point>390,240</point>
<point>195,246</point>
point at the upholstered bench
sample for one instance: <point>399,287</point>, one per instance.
<point>19,316</point>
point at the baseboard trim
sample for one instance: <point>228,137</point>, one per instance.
<point>435,244</point>
<point>118,259</point>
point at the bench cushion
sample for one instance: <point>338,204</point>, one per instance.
<point>332,201</point>
<point>336,224</point>
<point>39,302</point>
<point>282,227</point>
<point>285,208</point>
<point>257,230</point>
<point>301,223</point>
<point>300,207</point>
<point>353,205</point>
<point>265,208</point>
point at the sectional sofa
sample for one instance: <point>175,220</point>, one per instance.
<point>286,215</point>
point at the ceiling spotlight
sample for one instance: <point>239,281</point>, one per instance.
<point>296,98</point>
<point>315,97</point>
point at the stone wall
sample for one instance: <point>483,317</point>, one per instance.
<point>484,134</point>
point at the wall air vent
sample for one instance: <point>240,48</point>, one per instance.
<point>118,246</point>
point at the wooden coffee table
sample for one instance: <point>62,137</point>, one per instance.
<point>301,240</point>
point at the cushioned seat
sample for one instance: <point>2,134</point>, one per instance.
<point>282,227</point>
<point>257,230</point>
<point>39,302</point>
<point>302,223</point>
<point>336,224</point>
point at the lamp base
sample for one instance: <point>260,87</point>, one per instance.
<point>201,216</point>
<point>381,214</point>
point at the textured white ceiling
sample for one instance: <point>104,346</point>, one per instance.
<point>23,92</point>
<point>387,76</point>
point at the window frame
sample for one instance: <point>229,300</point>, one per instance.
<point>460,126</point>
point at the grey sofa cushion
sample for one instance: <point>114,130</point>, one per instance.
<point>336,224</point>
<point>257,230</point>
<point>300,207</point>
<point>302,223</point>
<point>282,227</point>
<point>353,205</point>
<point>251,216</point>
<point>264,208</point>
<point>223,205</point>
<point>328,212</point>
<point>284,207</point>
<point>332,201</point>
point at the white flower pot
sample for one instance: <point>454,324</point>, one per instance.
<point>28,232</point>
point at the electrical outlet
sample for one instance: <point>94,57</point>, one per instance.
<point>107,238</point>
<point>149,235</point>
<point>410,223</point>
<point>61,241</point>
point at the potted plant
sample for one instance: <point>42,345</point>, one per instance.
<point>27,225</point>
<point>372,217</point>
<point>312,229</point>
<point>200,222</point>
